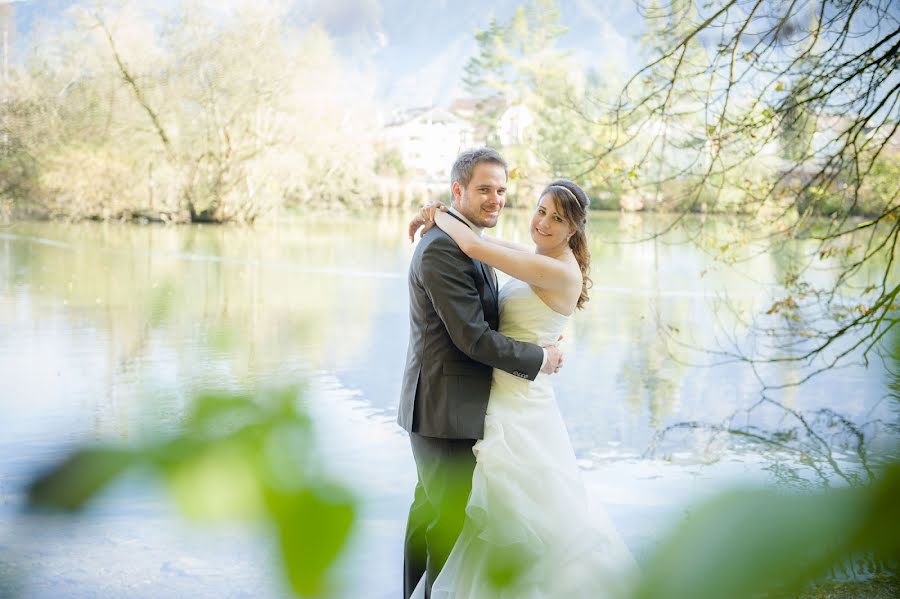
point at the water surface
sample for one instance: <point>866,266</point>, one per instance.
<point>106,329</point>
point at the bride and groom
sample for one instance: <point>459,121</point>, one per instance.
<point>499,496</point>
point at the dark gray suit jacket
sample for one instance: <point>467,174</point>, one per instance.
<point>454,345</point>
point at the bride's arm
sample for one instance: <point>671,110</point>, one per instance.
<point>424,220</point>
<point>508,244</point>
<point>534,269</point>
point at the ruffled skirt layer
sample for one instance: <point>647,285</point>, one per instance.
<point>530,531</point>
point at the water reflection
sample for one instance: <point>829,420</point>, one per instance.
<point>150,310</point>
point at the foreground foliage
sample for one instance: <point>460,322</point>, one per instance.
<point>247,458</point>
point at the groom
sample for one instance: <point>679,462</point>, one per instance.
<point>453,347</point>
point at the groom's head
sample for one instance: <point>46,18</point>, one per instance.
<point>478,184</point>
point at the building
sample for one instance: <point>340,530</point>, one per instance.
<point>428,140</point>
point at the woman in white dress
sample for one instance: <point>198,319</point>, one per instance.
<point>529,530</point>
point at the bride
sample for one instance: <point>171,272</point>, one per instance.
<point>529,530</point>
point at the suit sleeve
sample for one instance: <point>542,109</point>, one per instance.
<point>448,278</point>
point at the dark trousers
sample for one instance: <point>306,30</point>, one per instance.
<point>439,508</point>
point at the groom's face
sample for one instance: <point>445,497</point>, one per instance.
<point>484,197</point>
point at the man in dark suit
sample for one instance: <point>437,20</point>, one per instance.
<point>453,348</point>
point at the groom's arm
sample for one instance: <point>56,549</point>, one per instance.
<point>448,277</point>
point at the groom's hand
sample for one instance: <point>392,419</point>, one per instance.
<point>554,359</point>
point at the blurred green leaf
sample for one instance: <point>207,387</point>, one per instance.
<point>313,526</point>
<point>220,483</point>
<point>78,478</point>
<point>238,457</point>
<point>215,410</point>
<point>505,566</point>
<point>880,531</point>
<point>286,450</point>
<point>745,543</point>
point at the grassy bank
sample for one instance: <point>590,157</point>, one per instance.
<point>885,588</point>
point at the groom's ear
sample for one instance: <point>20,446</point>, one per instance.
<point>455,192</point>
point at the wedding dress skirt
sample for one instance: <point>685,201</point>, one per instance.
<point>528,519</point>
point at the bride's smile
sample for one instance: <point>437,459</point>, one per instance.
<point>550,229</point>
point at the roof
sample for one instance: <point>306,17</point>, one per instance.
<point>433,114</point>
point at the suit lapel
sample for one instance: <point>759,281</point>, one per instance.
<point>488,273</point>
<point>490,277</point>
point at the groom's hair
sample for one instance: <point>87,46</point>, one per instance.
<point>467,161</point>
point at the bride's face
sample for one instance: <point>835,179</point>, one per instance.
<point>549,228</point>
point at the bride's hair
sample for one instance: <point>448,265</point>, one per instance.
<point>573,203</point>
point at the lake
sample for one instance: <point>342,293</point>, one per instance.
<point>107,329</point>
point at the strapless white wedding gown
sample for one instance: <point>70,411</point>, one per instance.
<point>528,512</point>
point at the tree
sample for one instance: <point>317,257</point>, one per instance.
<point>519,66</point>
<point>786,112</point>
<point>517,59</point>
<point>191,114</point>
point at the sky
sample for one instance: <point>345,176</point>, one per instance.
<point>417,50</point>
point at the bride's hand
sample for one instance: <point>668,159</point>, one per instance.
<point>425,218</point>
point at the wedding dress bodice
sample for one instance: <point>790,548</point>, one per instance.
<point>525,317</point>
